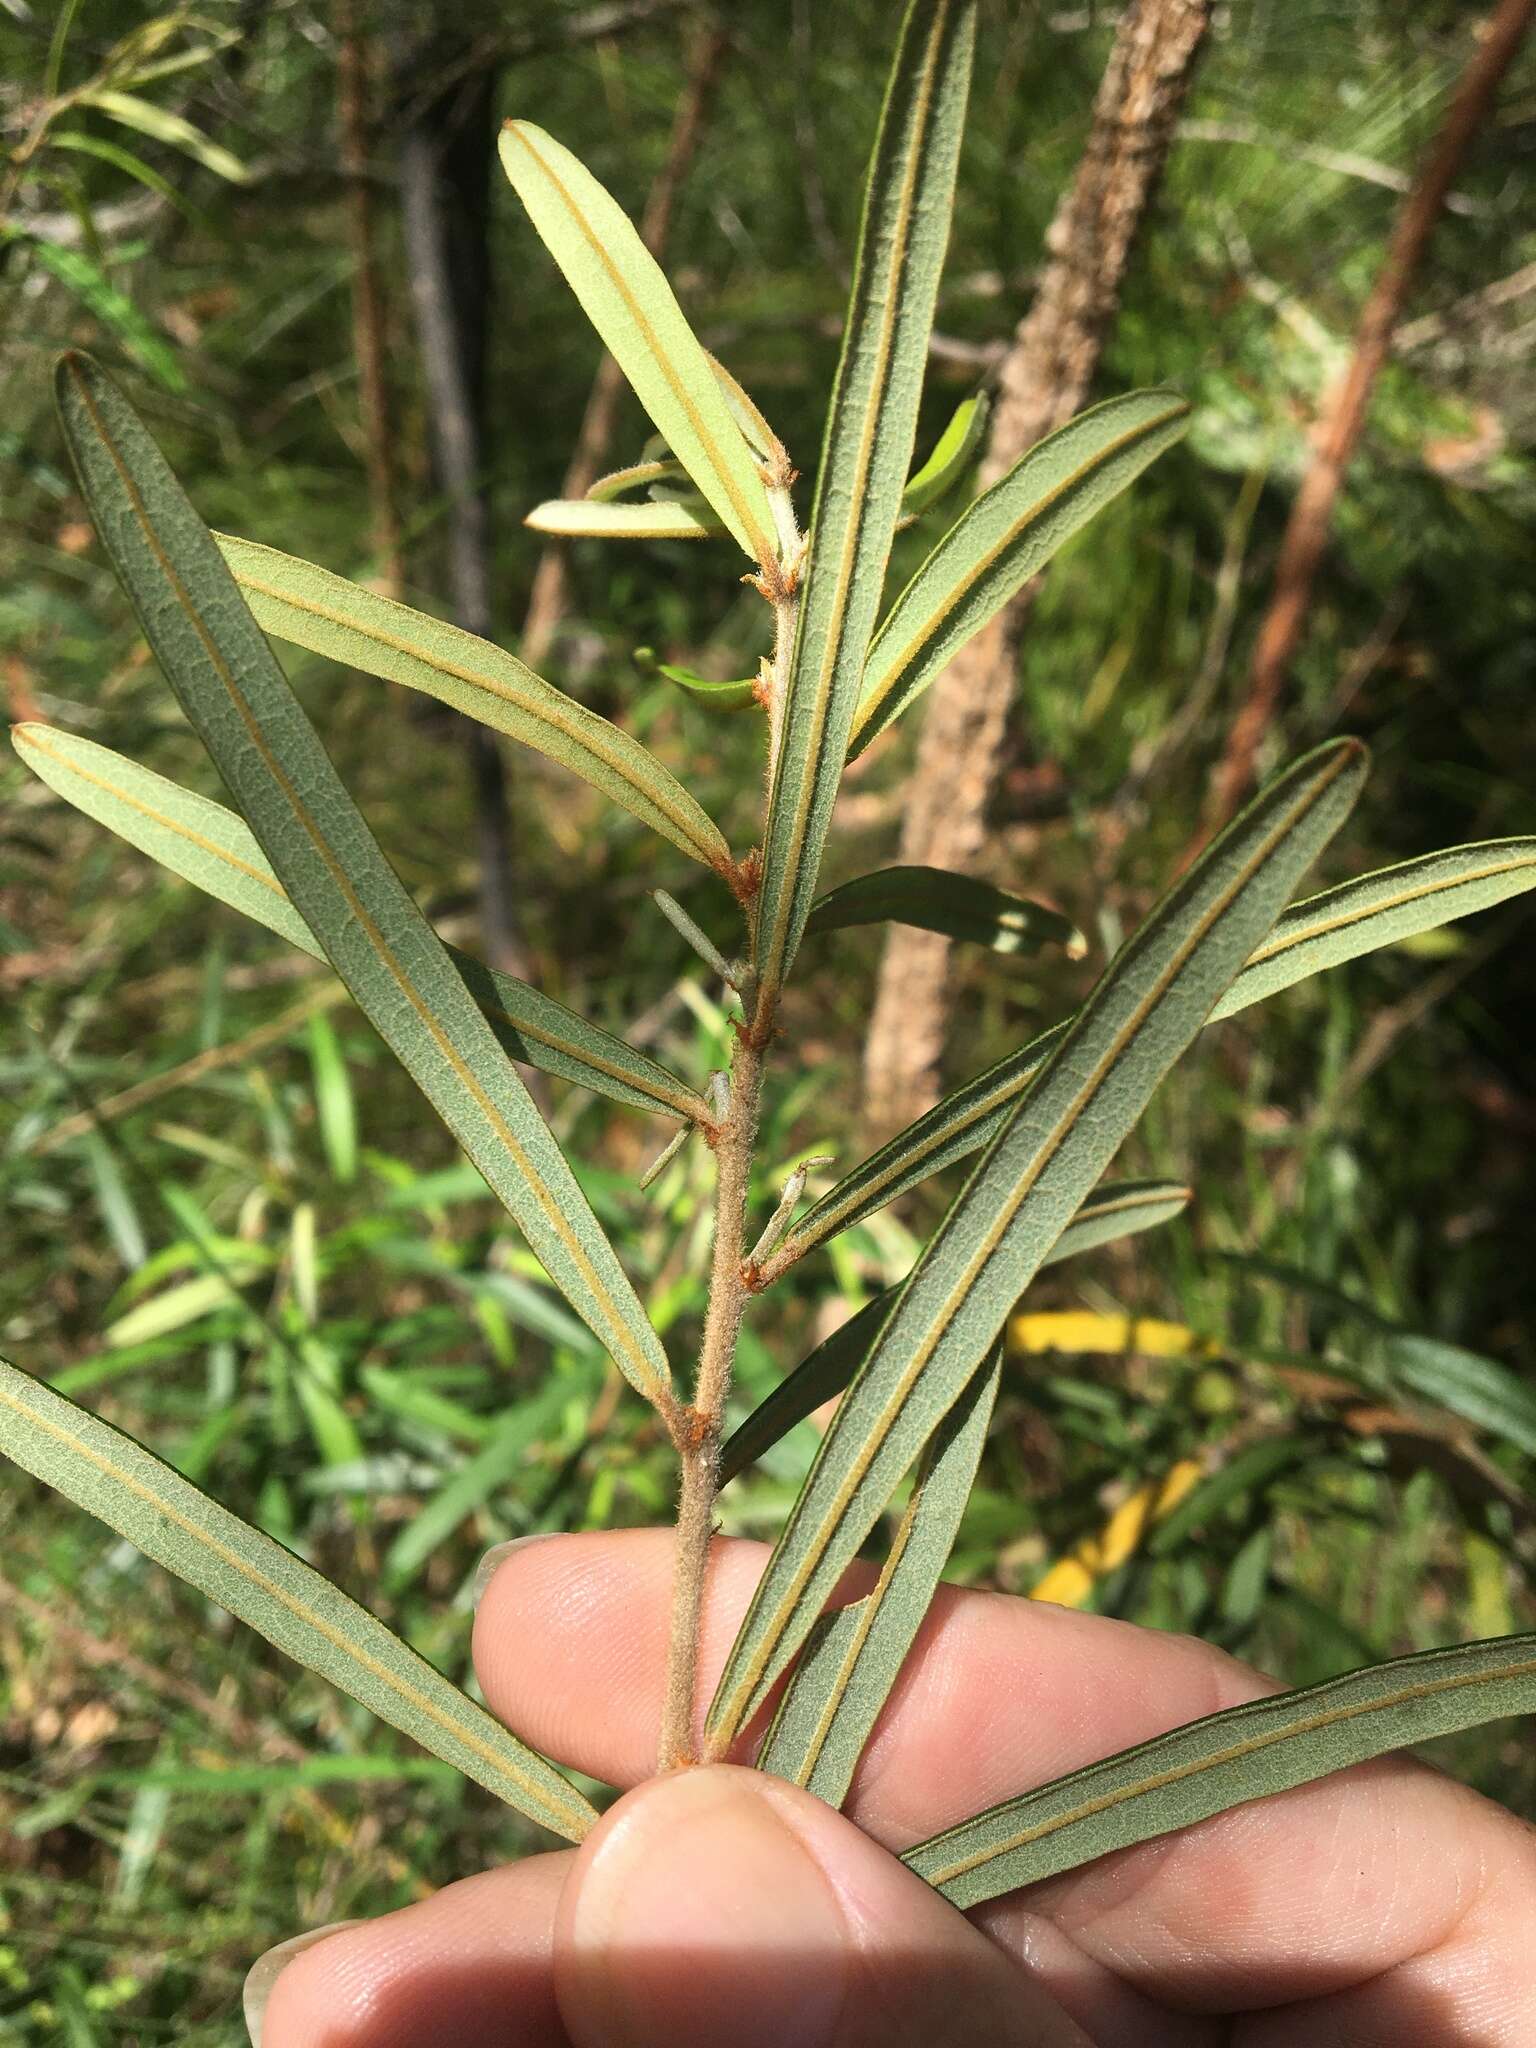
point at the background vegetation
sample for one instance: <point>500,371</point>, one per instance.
<point>228,1218</point>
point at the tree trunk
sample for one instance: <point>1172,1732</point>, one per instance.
<point>1043,379</point>
<point>1342,414</point>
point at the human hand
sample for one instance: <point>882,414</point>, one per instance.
<point>1384,1907</point>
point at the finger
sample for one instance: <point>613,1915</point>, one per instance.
<point>470,1967</point>
<point>721,1909</point>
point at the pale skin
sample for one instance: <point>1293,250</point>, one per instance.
<point>1386,1907</point>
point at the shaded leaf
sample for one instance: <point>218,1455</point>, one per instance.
<point>628,300</point>
<point>1248,1752</point>
<point>871,423</point>
<point>1478,1389</point>
<point>311,607</point>
<point>104,301</point>
<point>1146,1010</point>
<point>293,1606</point>
<point>162,125</point>
<point>938,900</point>
<point>716,696</point>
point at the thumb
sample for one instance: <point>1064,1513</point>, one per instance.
<point>722,1908</point>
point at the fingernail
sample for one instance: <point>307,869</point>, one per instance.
<point>497,1556</point>
<point>703,1917</point>
<point>265,1971</point>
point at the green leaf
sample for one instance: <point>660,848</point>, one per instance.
<point>624,294</point>
<point>1118,1209</point>
<point>311,607</point>
<point>618,481</point>
<point>1145,1012</point>
<point>1249,1472</point>
<point>587,519</point>
<point>938,900</point>
<point>864,458</point>
<point>1478,1389</point>
<point>163,126</point>
<point>1321,931</point>
<point>947,464</point>
<point>715,696</point>
<point>294,1607</point>
<point>209,846</point>
<point>1248,1752</point>
<point>1380,909</point>
<point>853,1657</point>
<point>124,160</point>
<point>335,1107</point>
<point>1003,539</point>
<point>320,847</point>
<point>102,299</point>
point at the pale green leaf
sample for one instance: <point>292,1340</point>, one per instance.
<point>105,302</point>
<point>756,432</point>
<point>588,519</point>
<point>618,481</point>
<point>947,464</point>
<point>1118,1209</point>
<point>209,846</point>
<point>1479,1390</point>
<point>320,847</point>
<point>853,1657</point>
<point>1028,1185</point>
<point>293,1606</point>
<point>715,696</point>
<point>871,423</point>
<point>1209,1766</point>
<point>624,294</point>
<point>164,126</point>
<point>1003,539</point>
<point>939,900</point>
<point>315,609</point>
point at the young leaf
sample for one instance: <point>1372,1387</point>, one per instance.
<point>864,459</point>
<point>587,519</point>
<point>233,691</point>
<point>730,696</point>
<point>1321,931</point>
<point>937,900</point>
<point>293,1606</point>
<point>311,607</point>
<point>853,1657</point>
<point>1118,1209</point>
<point>1006,536</point>
<point>1144,1013</point>
<point>624,294</point>
<point>618,481</point>
<point>946,465</point>
<point>1248,1752</point>
<point>209,846</point>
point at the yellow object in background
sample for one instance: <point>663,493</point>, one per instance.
<point>1071,1579</point>
<point>1083,1332</point>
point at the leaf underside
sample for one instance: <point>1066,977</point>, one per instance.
<point>940,900</point>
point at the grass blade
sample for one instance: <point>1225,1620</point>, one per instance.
<point>1225,1760</point>
<point>313,608</point>
<point>1118,1209</point>
<point>868,446</point>
<point>294,1607</point>
<point>1003,539</point>
<point>852,1658</point>
<point>1322,931</point>
<point>233,691</point>
<point>1028,1185</point>
<point>628,300</point>
<point>590,519</point>
<point>938,900</point>
<point>208,845</point>
<point>946,465</point>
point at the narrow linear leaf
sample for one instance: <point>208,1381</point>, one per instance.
<point>162,125</point>
<point>313,608</point>
<point>320,847</point>
<point>865,455</point>
<point>212,848</point>
<point>745,411</point>
<point>1146,1010</point>
<point>632,478</point>
<point>938,900</point>
<point>105,302</point>
<point>1320,932</point>
<point>1479,1390</point>
<point>294,1607</point>
<point>624,294</point>
<point>1248,1752</point>
<point>852,1658</point>
<point>716,696</point>
<point>1003,539</point>
<point>587,519</point>
<point>947,464</point>
<point>1249,1472</point>
<point>1118,1209</point>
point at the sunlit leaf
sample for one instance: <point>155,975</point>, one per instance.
<point>1248,1752</point>
<point>231,688</point>
<point>853,1657</point>
<point>588,519</point>
<point>715,696</point>
<point>1146,1010</point>
<point>1071,1580</point>
<point>871,423</point>
<point>628,300</point>
<point>209,846</point>
<point>1479,1390</point>
<point>162,125</point>
<point>315,609</point>
<point>293,1606</point>
<point>105,302</point>
<point>951,456</point>
<point>938,900</point>
<point>1005,537</point>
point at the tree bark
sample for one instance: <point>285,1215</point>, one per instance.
<point>1043,379</point>
<point>1342,414</point>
